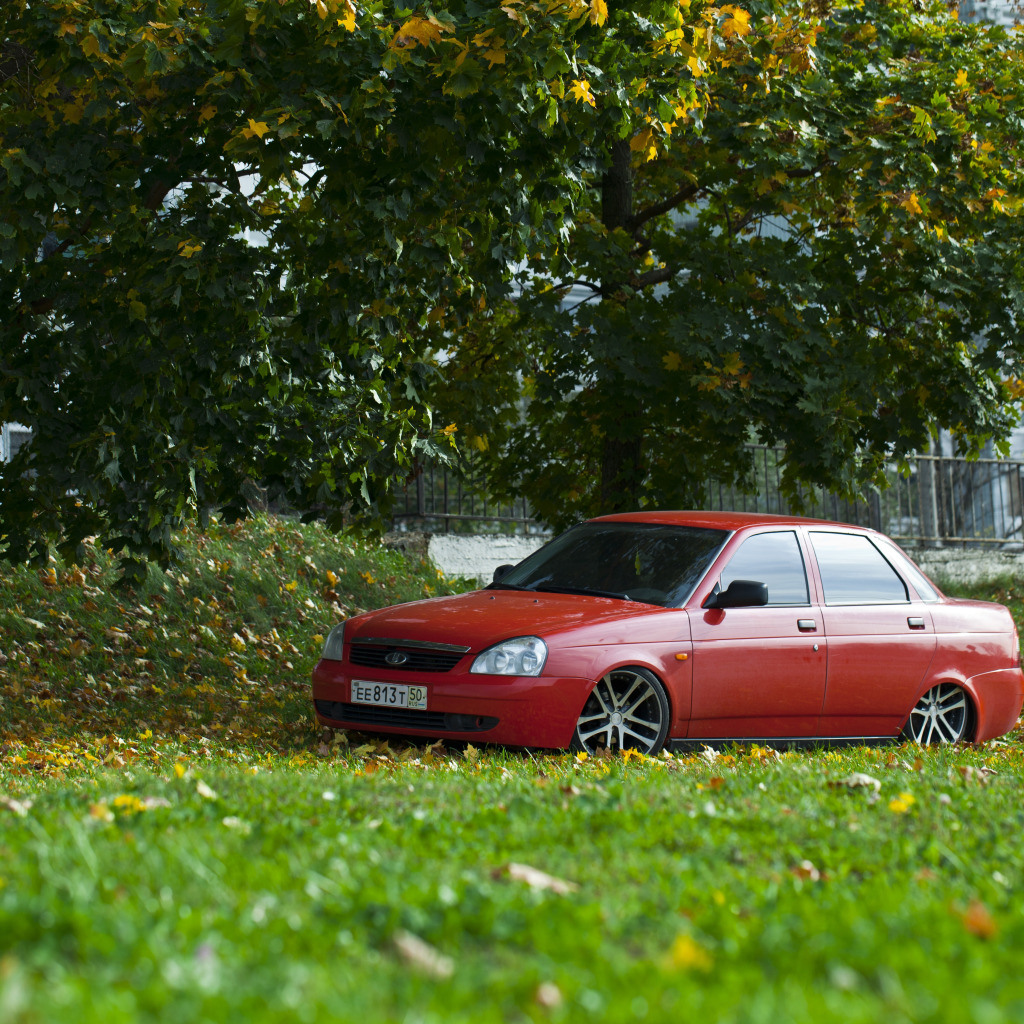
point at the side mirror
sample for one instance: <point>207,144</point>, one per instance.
<point>501,572</point>
<point>739,594</point>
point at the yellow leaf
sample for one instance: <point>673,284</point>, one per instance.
<point>67,28</point>
<point>687,954</point>
<point>902,803</point>
<point>961,79</point>
<point>332,579</point>
<point>580,91</point>
<point>640,142</point>
<point>696,67</point>
<point>911,204</point>
<point>207,112</point>
<point>259,128</point>
<point>348,20</point>
<point>598,12</point>
<point>449,430</point>
<point>417,32</point>
<point>737,22</point>
<point>90,45</point>
<point>672,361</point>
<point>494,55</point>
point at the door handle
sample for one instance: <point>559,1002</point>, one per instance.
<point>915,622</point>
<point>806,625</point>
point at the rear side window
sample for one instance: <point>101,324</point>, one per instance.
<point>909,571</point>
<point>853,571</point>
<point>773,559</point>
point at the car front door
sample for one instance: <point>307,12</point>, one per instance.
<point>760,672</point>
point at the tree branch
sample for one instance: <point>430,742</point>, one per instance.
<point>659,276</point>
<point>641,217</point>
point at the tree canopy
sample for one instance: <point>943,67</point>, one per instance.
<point>821,253</point>
<point>238,237</point>
<point>225,226</point>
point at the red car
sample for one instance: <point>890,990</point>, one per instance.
<point>656,629</point>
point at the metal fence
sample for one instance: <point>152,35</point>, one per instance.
<point>458,502</point>
<point>940,501</point>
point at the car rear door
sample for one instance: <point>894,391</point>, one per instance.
<point>881,639</point>
<point>760,672</point>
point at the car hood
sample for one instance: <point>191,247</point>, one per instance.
<point>484,617</point>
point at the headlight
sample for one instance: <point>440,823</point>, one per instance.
<point>334,645</point>
<point>523,656</point>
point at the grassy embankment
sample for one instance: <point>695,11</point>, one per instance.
<point>178,843</point>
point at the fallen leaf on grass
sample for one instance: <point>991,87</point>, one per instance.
<point>101,812</point>
<point>548,995</point>
<point>20,807</point>
<point>423,956</point>
<point>204,791</point>
<point>902,803</point>
<point>978,920</point>
<point>858,780</point>
<point>536,879</point>
<point>689,955</point>
<point>806,871</point>
<point>972,774</point>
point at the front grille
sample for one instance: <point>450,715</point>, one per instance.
<point>367,656</point>
<point>403,718</point>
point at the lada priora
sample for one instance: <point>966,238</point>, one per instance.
<point>646,630</point>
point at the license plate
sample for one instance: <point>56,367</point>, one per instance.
<point>390,695</point>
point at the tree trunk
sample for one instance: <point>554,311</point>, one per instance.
<point>622,461</point>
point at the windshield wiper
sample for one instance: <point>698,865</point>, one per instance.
<point>507,586</point>
<point>582,590</point>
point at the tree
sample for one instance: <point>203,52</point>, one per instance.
<point>226,227</point>
<point>819,249</point>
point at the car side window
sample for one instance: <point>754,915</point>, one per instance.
<point>773,559</point>
<point>854,571</point>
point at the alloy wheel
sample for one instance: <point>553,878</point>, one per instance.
<point>626,710</point>
<point>940,716</point>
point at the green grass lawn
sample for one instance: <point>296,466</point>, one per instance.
<point>179,842</point>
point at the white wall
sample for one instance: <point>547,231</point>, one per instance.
<point>464,555</point>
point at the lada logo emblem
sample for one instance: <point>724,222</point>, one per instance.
<point>396,658</point>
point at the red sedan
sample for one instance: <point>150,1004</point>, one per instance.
<point>656,629</point>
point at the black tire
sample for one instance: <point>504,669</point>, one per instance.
<point>944,714</point>
<point>628,709</point>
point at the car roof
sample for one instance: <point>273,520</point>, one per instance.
<point>720,520</point>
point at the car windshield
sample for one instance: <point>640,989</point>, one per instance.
<point>645,562</point>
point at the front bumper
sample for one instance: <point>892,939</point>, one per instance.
<point>510,710</point>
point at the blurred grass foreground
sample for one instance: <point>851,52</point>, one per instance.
<point>178,843</point>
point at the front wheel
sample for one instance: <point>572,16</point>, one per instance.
<point>628,709</point>
<point>942,715</point>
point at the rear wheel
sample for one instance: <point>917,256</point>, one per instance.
<point>628,709</point>
<point>942,715</point>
